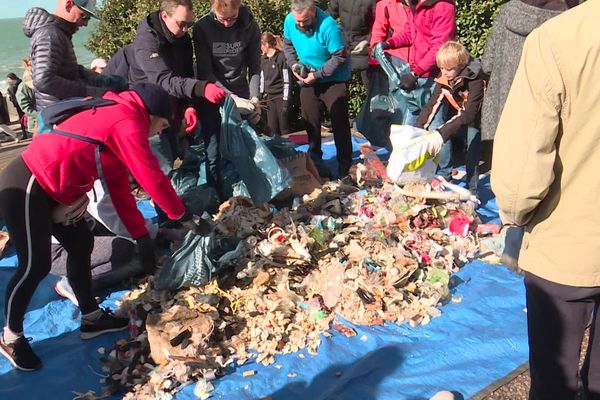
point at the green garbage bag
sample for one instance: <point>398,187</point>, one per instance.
<point>257,167</point>
<point>387,103</point>
<point>193,264</point>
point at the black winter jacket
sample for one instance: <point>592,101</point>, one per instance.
<point>56,74</point>
<point>464,95</point>
<point>357,18</point>
<point>275,75</point>
<point>161,58</point>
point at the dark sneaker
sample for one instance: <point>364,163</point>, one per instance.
<point>20,354</point>
<point>106,323</point>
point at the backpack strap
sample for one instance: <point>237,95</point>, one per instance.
<point>99,147</point>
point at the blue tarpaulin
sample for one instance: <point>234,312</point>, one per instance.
<point>480,337</point>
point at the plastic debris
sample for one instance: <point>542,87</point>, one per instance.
<point>371,255</point>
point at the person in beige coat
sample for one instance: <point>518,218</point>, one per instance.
<point>546,177</point>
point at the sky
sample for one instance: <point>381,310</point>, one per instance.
<point>18,8</point>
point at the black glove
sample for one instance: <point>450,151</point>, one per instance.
<point>147,254</point>
<point>301,70</point>
<point>408,81</point>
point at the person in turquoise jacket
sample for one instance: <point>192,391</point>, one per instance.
<point>315,51</point>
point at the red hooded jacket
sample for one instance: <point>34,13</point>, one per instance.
<point>66,167</point>
<point>390,19</point>
<point>429,25</point>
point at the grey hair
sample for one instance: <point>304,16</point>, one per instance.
<point>301,5</point>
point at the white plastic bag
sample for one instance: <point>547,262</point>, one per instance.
<point>410,161</point>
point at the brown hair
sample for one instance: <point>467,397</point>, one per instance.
<point>271,40</point>
<point>452,55</point>
<point>170,5</point>
<point>226,6</point>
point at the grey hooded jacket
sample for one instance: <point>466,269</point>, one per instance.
<point>56,74</point>
<point>502,54</point>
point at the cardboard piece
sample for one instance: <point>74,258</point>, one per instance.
<point>305,177</point>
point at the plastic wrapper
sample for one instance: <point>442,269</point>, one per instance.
<point>410,161</point>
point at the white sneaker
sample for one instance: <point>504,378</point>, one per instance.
<point>63,288</point>
<point>443,395</point>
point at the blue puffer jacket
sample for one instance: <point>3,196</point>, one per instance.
<point>56,73</point>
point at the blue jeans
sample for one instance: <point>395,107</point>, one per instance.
<point>417,98</point>
<point>473,143</point>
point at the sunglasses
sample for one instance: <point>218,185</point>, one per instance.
<point>184,24</point>
<point>86,16</point>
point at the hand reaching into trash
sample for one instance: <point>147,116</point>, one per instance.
<point>434,142</point>
<point>191,119</point>
<point>147,253</point>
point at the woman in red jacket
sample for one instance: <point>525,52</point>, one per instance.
<point>43,192</point>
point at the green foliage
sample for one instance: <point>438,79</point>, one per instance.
<point>356,94</point>
<point>120,19</point>
<point>474,20</point>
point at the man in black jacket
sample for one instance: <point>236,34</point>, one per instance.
<point>163,54</point>
<point>227,43</point>
<point>356,17</point>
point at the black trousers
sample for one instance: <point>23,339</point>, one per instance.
<point>277,115</point>
<point>209,116</point>
<point>557,316</point>
<point>335,97</point>
<point>26,209</point>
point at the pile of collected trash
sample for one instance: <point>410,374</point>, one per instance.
<point>372,254</point>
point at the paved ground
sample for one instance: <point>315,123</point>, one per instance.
<point>9,150</point>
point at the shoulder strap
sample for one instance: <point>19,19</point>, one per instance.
<point>80,137</point>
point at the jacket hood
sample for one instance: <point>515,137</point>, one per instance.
<point>153,23</point>
<point>37,18</point>
<point>131,100</point>
<point>522,18</point>
<point>472,70</point>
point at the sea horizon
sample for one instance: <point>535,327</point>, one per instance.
<point>14,46</point>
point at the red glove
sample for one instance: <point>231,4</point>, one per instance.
<point>213,93</point>
<point>191,119</point>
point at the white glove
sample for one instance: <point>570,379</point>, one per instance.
<point>434,142</point>
<point>244,106</point>
<point>361,48</point>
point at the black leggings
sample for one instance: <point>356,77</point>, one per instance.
<point>26,209</point>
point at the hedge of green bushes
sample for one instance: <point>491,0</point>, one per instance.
<point>120,18</point>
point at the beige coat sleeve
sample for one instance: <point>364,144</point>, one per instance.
<point>525,142</point>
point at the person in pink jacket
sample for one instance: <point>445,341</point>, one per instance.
<point>390,19</point>
<point>43,194</point>
<point>429,25</point>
